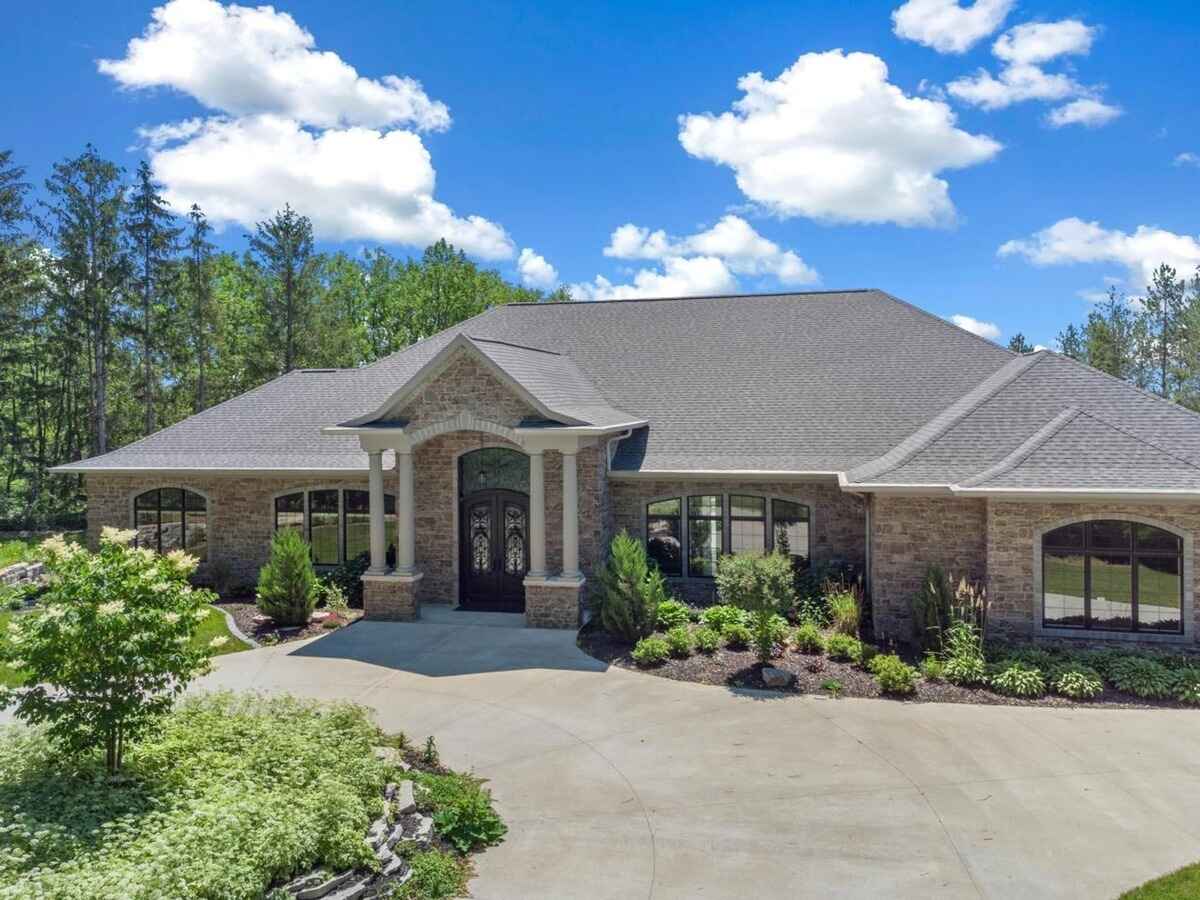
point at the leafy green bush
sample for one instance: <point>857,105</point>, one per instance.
<point>932,668</point>
<point>1141,677</point>
<point>229,796</point>
<point>679,641</point>
<point>932,609</point>
<point>893,675</point>
<point>470,822</point>
<point>737,636</point>
<point>672,614</point>
<point>651,651</point>
<point>832,685</point>
<point>348,577</point>
<point>866,653</point>
<point>287,584</point>
<point>1015,679</point>
<point>435,876</point>
<point>763,586</point>
<point>843,611</point>
<point>1076,681</point>
<point>1186,687</point>
<point>110,647</point>
<point>962,655</point>
<point>808,638</point>
<point>721,615</point>
<point>708,640</point>
<point>842,647</point>
<point>631,590</point>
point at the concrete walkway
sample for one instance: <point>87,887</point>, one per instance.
<point>617,784</point>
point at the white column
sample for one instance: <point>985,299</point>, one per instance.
<point>378,538</point>
<point>537,514</point>
<point>570,517</point>
<point>406,511</point>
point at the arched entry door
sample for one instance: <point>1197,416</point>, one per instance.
<point>494,529</point>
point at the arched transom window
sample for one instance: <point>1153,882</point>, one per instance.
<point>1112,575</point>
<point>169,519</point>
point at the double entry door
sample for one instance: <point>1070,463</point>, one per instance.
<point>494,550</point>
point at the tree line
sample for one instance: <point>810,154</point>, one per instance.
<point>1151,341</point>
<point>119,316</point>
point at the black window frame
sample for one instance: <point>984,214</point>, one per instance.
<point>184,508</point>
<point>677,532</point>
<point>766,539</point>
<point>389,509</point>
<point>807,520</point>
<point>719,518</point>
<point>1088,549</point>
<point>305,524</point>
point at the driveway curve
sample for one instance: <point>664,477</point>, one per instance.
<point>617,784</point>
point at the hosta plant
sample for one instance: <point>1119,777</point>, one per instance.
<point>736,636</point>
<point>808,638</point>
<point>1187,686</point>
<point>1077,682</point>
<point>672,614</point>
<point>1015,679</point>
<point>1141,677</point>
<point>721,615</point>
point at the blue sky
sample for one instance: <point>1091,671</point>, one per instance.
<point>1066,133</point>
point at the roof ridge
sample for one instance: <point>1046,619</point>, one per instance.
<point>484,340</point>
<point>1026,448</point>
<point>552,303</point>
<point>944,420</point>
<point>1140,438</point>
<point>948,324</point>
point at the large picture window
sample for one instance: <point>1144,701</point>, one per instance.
<point>706,528</point>
<point>664,536</point>
<point>1110,575</point>
<point>169,519</point>
<point>747,524</point>
<point>336,523</point>
<point>790,524</point>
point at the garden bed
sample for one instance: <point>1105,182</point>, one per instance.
<point>739,668</point>
<point>244,612</point>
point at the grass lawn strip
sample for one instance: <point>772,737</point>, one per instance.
<point>1183,884</point>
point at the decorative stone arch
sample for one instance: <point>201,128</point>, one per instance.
<point>1187,611</point>
<point>464,421</point>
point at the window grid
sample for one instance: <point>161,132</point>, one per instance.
<point>183,508</point>
<point>338,531</point>
<point>706,532</point>
<point>747,528</point>
<point>664,537</point>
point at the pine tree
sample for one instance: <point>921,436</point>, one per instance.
<point>1070,343</point>
<point>1161,321</point>
<point>1111,337</point>
<point>282,246</point>
<point>1018,344</point>
<point>199,289</point>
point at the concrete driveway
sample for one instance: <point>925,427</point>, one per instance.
<point>617,784</point>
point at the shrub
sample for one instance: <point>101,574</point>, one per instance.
<point>808,638</point>
<point>763,586</point>
<point>721,615</point>
<point>1015,679</point>
<point>1186,687</point>
<point>1077,682</point>
<point>679,641</point>
<point>435,876</point>
<point>843,612</point>
<point>707,639</point>
<point>631,590</point>
<point>1036,658</point>
<point>470,822</point>
<point>737,636</point>
<point>932,668</point>
<point>931,609</point>
<point>110,645</point>
<point>832,685</point>
<point>893,675</point>
<point>651,651</point>
<point>842,647</point>
<point>672,614</point>
<point>287,584</point>
<point>348,577</point>
<point>866,653</point>
<point>962,655</point>
<point>1141,677</point>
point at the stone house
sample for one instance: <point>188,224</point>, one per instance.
<point>488,466</point>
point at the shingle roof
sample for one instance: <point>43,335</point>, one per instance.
<point>846,381</point>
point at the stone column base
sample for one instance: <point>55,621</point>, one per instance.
<point>391,598</point>
<point>553,602</point>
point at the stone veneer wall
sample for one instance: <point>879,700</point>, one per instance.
<point>241,511</point>
<point>910,533</point>
<point>837,525</point>
<point>1011,529</point>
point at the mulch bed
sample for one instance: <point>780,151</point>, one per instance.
<point>243,613</point>
<point>740,669</point>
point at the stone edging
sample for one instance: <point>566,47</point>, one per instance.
<point>235,631</point>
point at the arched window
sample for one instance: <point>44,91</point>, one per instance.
<point>1110,575</point>
<point>491,468</point>
<point>169,519</point>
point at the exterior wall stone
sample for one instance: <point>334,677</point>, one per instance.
<point>550,605</point>
<point>908,534</point>
<point>1012,530</point>
<point>837,519</point>
<point>391,599</point>
<point>464,385</point>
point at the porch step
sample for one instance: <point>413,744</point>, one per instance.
<point>436,614</point>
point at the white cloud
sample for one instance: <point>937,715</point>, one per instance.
<point>157,135</point>
<point>1039,42</point>
<point>535,272</point>
<point>352,183</point>
<point>947,26</point>
<point>832,139</point>
<point>1073,240</point>
<point>1015,84</point>
<point>680,277</point>
<point>732,239</point>
<point>1187,158</point>
<point>988,330</point>
<point>249,60</point>
<point>1087,111</point>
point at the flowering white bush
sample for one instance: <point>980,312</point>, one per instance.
<point>110,645</point>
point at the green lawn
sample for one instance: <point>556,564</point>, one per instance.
<point>213,626</point>
<point>1181,885</point>
<point>21,549</point>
